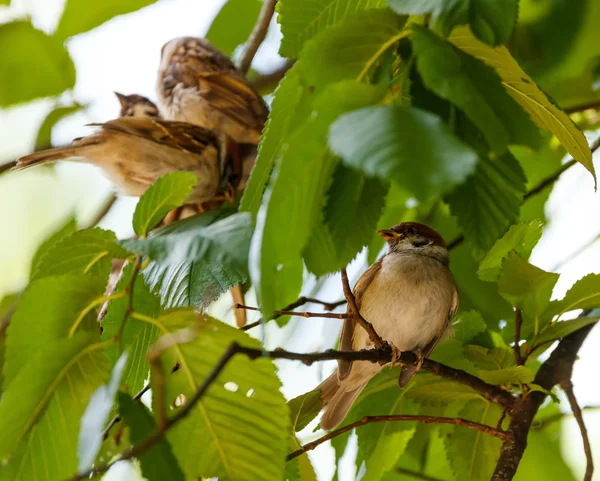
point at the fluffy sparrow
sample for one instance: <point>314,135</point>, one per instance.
<point>410,297</point>
<point>199,84</point>
<point>134,151</point>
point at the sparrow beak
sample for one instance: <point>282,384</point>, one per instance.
<point>122,99</point>
<point>389,234</point>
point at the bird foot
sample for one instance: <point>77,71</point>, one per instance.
<point>420,358</point>
<point>396,354</point>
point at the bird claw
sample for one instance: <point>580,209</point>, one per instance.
<point>396,354</point>
<point>420,358</point>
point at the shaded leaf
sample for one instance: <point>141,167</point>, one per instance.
<point>293,202</point>
<point>242,410</point>
<point>44,135</point>
<point>434,391</point>
<point>233,24</point>
<point>559,329</point>
<point>65,229</point>
<point>492,22</point>
<point>475,88</point>
<point>468,325</point>
<point>524,90</point>
<point>42,406</point>
<point>510,375</point>
<point>96,415</point>
<point>158,462</point>
<point>521,238</point>
<point>168,192</point>
<point>490,359</point>
<point>304,408</point>
<point>301,20</point>
<point>80,16</point>
<point>489,201</point>
<point>384,141</point>
<point>584,294</point>
<point>88,251</point>
<point>21,78</point>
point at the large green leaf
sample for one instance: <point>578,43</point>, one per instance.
<point>158,463</point>
<point>88,251</point>
<point>50,309</point>
<point>559,329</point>
<point>385,141</point>
<point>491,21</point>
<point>233,24</point>
<point>509,375</point>
<point>528,288</point>
<point>489,201</point>
<point>44,135</point>
<point>80,16</point>
<point>585,294</point>
<point>521,238</point>
<point>42,406</point>
<point>242,419</point>
<point>168,192</point>
<point>524,90</point>
<point>354,204</point>
<point>428,390</point>
<point>24,80</point>
<point>138,336</point>
<point>301,20</point>
<point>475,88</point>
<point>293,203</point>
<point>66,228</point>
<point>304,408</point>
<point>468,325</point>
<point>473,454</point>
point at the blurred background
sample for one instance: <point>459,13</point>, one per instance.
<point>122,55</point>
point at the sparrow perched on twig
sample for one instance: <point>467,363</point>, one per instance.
<point>137,149</point>
<point>199,84</point>
<point>410,297</point>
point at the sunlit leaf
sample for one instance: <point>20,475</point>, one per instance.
<point>584,294</point>
<point>468,325</point>
<point>233,24</point>
<point>65,229</point>
<point>510,375</point>
<point>559,329</point>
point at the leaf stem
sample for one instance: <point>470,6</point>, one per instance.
<point>135,269</point>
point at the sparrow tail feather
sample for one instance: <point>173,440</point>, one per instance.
<point>47,156</point>
<point>337,401</point>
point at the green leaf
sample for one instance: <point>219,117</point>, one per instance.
<point>301,20</point>
<point>138,337</point>
<point>473,454</point>
<point>521,238</point>
<point>354,204</point>
<point>21,79</point>
<point>489,201</point>
<point>44,135</point>
<point>543,459</point>
<point>80,16</point>
<point>293,202</point>
<point>468,325</point>
<point>305,408</point>
<point>65,229</point>
<point>242,418</point>
<point>384,141</point>
<point>492,22</point>
<point>158,462</point>
<point>49,311</point>
<point>559,329</point>
<point>475,88</point>
<point>96,415</point>
<point>88,251</point>
<point>490,359</point>
<point>524,90</point>
<point>428,390</point>
<point>233,24</point>
<point>42,406</point>
<point>527,287</point>
<point>290,96</point>
<point>509,375</point>
<point>350,50</point>
<point>585,294</point>
<point>168,192</point>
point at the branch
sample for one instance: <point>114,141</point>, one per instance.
<point>517,346</point>
<point>269,80</point>
<point>353,310</point>
<point>135,269</point>
<point>108,204</point>
<point>327,315</point>
<point>257,36</point>
<point>567,386</point>
<point>582,108</point>
<point>498,433</point>
<point>7,166</point>
<point>557,369</point>
<point>541,424</point>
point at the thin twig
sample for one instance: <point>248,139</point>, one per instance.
<point>582,108</point>
<point>498,433</point>
<point>257,36</point>
<point>7,166</point>
<point>416,474</point>
<point>116,419</point>
<point>106,207</point>
<point>327,315</point>
<point>559,416</point>
<point>269,80</point>
<point>501,419</point>
<point>517,346</point>
<point>353,308</point>
<point>567,386</point>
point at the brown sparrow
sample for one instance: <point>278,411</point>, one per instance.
<point>410,297</point>
<point>135,150</point>
<point>199,84</point>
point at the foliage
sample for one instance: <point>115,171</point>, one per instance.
<point>393,111</point>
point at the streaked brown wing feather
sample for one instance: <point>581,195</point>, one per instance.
<point>344,367</point>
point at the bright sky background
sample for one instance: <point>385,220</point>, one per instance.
<point>122,55</point>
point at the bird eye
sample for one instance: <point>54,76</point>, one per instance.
<point>409,231</point>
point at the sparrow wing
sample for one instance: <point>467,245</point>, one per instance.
<point>350,325</point>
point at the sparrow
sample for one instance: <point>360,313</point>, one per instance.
<point>138,148</point>
<point>410,297</point>
<point>199,84</point>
